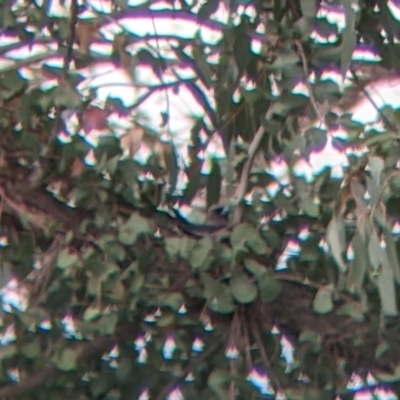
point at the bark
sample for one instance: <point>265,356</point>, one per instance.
<point>87,352</point>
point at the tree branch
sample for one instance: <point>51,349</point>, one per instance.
<point>40,208</point>
<point>31,383</point>
<point>87,351</point>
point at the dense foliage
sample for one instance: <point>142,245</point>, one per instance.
<point>152,252</point>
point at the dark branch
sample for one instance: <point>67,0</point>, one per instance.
<point>87,352</point>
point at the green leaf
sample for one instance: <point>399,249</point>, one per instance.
<point>323,302</point>
<point>376,165</point>
<point>336,241</point>
<point>123,4</point>
<point>92,313</point>
<point>358,265</point>
<point>65,96</point>
<point>174,301</point>
<point>375,252</point>
<point>107,323</point>
<point>392,254</point>
<point>132,228</point>
<point>310,208</point>
<point>389,378</point>
<point>303,27</point>
<point>217,381</point>
<point>353,310</point>
<point>309,336</point>
<point>204,69</point>
<point>238,235</point>
<point>257,243</point>
<point>214,184</point>
<point>285,59</point>
<point>327,53</point>
<point>308,8</point>
<point>243,290</point>
<point>193,184</point>
<point>224,96</point>
<point>8,351</point>
<point>173,246</point>
<point>179,246</point>
<point>387,291</point>
<point>32,349</point>
<point>124,371</point>
<point>242,50</point>
<point>222,303</point>
<point>137,283</point>
<point>173,169</point>
<point>207,9</point>
<point>100,385</point>
<point>167,319</point>
<point>310,252</point>
<point>381,349</point>
<point>349,38</point>
<point>11,84</point>
<point>269,287</point>
<point>66,259</point>
<point>7,18</point>
<point>66,360</point>
<point>313,338</point>
<point>223,253</point>
<point>254,267</point>
<point>5,274</point>
<point>211,286</point>
<point>287,104</point>
<point>199,257</point>
<point>112,165</point>
<point>218,295</point>
<point>247,234</point>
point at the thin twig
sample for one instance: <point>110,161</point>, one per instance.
<point>233,339</point>
<point>71,39</point>
<point>232,387</point>
<point>246,345</point>
<point>256,333</point>
<point>161,72</point>
<point>372,101</point>
<point>73,20</point>
<point>257,337</point>
<point>306,73</point>
<point>244,177</point>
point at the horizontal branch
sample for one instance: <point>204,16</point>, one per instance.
<point>87,352</point>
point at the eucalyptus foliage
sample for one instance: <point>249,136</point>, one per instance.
<point>142,258</point>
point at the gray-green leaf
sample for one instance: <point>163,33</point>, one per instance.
<point>323,301</point>
<point>243,290</point>
<point>336,241</point>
